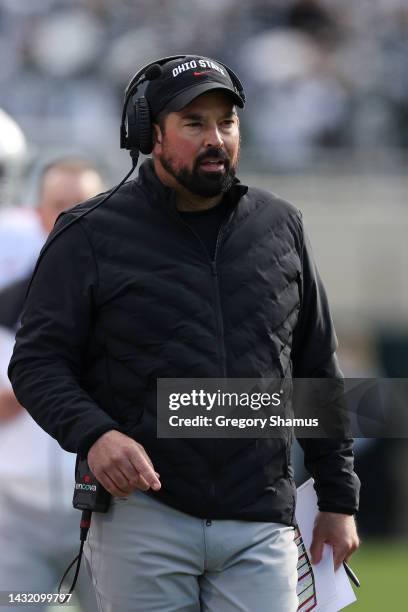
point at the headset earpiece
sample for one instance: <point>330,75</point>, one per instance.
<point>136,129</point>
<point>139,127</point>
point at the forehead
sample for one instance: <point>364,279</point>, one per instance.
<point>209,102</point>
<point>59,181</point>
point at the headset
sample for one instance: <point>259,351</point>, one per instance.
<point>136,130</point>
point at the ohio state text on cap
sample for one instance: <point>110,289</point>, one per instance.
<point>184,79</point>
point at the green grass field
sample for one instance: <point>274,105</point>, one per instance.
<point>382,567</point>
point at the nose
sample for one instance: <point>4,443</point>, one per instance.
<point>213,137</point>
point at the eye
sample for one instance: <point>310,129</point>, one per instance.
<point>194,124</point>
<point>228,122</point>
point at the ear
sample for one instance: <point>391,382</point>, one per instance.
<point>157,139</point>
<point>157,134</point>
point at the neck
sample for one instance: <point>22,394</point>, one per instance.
<point>185,200</point>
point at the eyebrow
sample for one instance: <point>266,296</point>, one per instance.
<point>198,117</point>
<point>192,116</point>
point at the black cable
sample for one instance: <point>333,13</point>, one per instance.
<point>85,524</point>
<point>77,559</point>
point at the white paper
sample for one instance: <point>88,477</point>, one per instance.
<point>322,589</point>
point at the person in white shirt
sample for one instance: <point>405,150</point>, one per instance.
<point>39,529</point>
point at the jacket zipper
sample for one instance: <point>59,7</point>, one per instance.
<point>214,272</point>
<point>220,332</point>
<point>220,322</point>
<point>221,349</point>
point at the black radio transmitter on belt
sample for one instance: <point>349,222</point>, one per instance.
<point>89,494</point>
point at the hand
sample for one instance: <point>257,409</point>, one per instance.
<point>9,406</point>
<point>338,530</point>
<point>121,465</point>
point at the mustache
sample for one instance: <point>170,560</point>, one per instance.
<point>213,153</point>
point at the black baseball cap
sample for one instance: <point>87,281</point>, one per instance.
<point>180,81</point>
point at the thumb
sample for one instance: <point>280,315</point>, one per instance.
<point>316,550</point>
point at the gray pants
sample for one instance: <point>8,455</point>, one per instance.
<point>145,556</point>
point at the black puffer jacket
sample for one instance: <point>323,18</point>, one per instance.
<point>128,294</point>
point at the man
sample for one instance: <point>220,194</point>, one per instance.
<point>38,526</point>
<point>184,273</point>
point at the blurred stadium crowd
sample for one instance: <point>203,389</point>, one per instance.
<point>318,73</point>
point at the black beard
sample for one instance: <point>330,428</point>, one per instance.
<point>203,184</point>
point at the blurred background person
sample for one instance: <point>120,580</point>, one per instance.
<point>21,235</point>
<point>38,526</point>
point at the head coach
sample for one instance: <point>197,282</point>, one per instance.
<point>183,273</point>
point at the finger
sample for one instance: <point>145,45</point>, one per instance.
<point>338,557</point>
<point>351,549</point>
<point>145,455</point>
<point>142,484</point>
<point>347,557</point>
<point>107,482</point>
<point>146,470</point>
<point>134,478</point>
<point>128,479</point>
<point>316,551</point>
<point>121,480</point>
